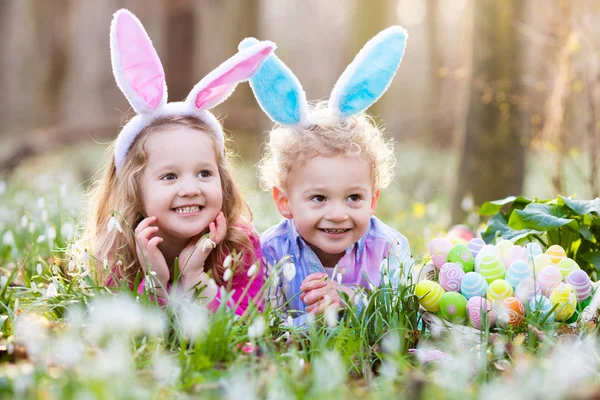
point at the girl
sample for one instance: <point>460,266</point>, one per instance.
<point>325,165</point>
<point>168,177</point>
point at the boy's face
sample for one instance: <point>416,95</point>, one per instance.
<point>180,184</point>
<point>331,200</point>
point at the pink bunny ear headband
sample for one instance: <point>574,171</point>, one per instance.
<point>140,76</point>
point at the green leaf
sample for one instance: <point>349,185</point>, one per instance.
<point>582,207</point>
<point>492,207</point>
<point>538,216</point>
<point>497,226</point>
<point>585,232</point>
<point>593,258</point>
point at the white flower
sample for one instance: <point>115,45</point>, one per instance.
<point>227,275</point>
<point>41,239</point>
<point>54,269</point>
<point>105,264</point>
<point>63,190</point>
<point>3,281</point>
<point>114,223</point>
<point>339,278</point>
<point>228,261</point>
<point>331,316</point>
<point>165,369</point>
<point>289,321</point>
<point>24,221</point>
<point>44,216</point>
<point>386,280</point>
<point>8,239</point>
<point>67,231</point>
<point>289,271</point>
<point>208,245</point>
<point>39,269</point>
<point>257,328</point>
<point>51,290</point>
<point>252,270</point>
<point>34,286</point>
<point>192,316</point>
<point>51,233</point>
<point>41,203</point>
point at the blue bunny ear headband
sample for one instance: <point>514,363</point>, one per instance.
<point>280,94</point>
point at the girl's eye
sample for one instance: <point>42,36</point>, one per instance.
<point>169,177</point>
<point>353,198</point>
<point>205,174</point>
<point>318,198</point>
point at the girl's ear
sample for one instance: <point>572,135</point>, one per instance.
<point>375,201</point>
<point>282,202</point>
<point>136,66</point>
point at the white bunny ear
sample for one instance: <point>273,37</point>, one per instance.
<point>369,75</point>
<point>136,66</point>
<point>218,85</point>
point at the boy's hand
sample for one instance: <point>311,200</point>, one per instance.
<point>194,255</point>
<point>320,292</point>
<point>148,251</point>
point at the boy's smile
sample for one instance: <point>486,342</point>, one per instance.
<point>331,200</point>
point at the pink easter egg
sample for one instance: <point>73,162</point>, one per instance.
<point>527,289</point>
<point>439,248</point>
<point>460,234</point>
<point>476,306</point>
<point>451,275</point>
<point>549,278</point>
<point>513,254</point>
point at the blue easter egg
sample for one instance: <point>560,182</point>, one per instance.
<point>473,284</point>
<point>542,304</point>
<point>531,250</point>
<point>517,271</point>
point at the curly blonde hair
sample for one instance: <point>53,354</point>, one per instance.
<point>327,135</point>
<point>119,192</point>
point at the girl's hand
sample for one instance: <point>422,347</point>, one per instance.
<point>148,252</point>
<point>194,255</point>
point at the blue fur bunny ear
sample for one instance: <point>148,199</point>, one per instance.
<point>278,91</point>
<point>369,75</point>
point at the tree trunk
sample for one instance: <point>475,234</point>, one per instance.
<point>492,156</point>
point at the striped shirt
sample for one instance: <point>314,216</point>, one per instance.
<point>359,266</point>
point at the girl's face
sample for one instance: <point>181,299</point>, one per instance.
<point>180,184</point>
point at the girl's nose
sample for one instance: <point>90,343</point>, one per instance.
<point>189,188</point>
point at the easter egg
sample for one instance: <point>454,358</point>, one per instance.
<point>531,250</point>
<point>556,253</point>
<point>475,245</point>
<point>460,234</point>
<point>517,271</point>
<point>540,262</point>
<point>426,272</point>
<point>479,309</point>
<point>484,251</point>
<point>566,266</point>
<point>439,248</point>
<point>526,289</point>
<point>451,276</point>
<point>503,247</point>
<point>429,294</point>
<point>549,278</point>
<point>510,311</point>
<point>543,305</point>
<point>513,254</point>
<point>453,307</point>
<point>565,300</point>
<point>499,290</point>
<point>581,284</point>
<point>472,285</point>
<point>491,268</point>
<point>460,254</point>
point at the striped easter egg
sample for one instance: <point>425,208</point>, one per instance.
<point>484,251</point>
<point>580,282</point>
<point>503,247</point>
<point>548,279</point>
<point>513,254</point>
<point>473,285</point>
<point>556,253</point>
<point>429,294</point>
<point>499,290</point>
<point>565,300</point>
<point>543,305</point>
<point>526,289</point>
<point>531,250</point>
<point>477,307</point>
<point>451,276</point>
<point>517,271</point>
<point>567,265</point>
<point>540,262</point>
<point>475,245</point>
<point>491,268</point>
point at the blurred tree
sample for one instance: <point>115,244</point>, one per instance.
<point>434,82</point>
<point>492,157</point>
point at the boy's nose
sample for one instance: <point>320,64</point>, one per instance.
<point>337,213</point>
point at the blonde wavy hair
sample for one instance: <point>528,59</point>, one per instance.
<point>120,193</point>
<point>327,136</point>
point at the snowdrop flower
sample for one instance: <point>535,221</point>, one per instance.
<point>227,275</point>
<point>386,280</point>
<point>331,316</point>
<point>54,269</point>
<point>38,268</point>
<point>105,264</point>
<point>193,317</point>
<point>44,216</point>
<point>208,245</point>
<point>66,351</point>
<point>24,221</point>
<point>41,239</point>
<point>8,239</point>
<point>289,271</point>
<point>67,231</point>
<point>257,328</point>
<point>41,202</point>
<point>34,286</point>
<point>51,290</point>
<point>339,279</point>
<point>63,190</point>
<point>228,261</point>
<point>32,330</point>
<point>165,369</point>
<point>329,372</point>
<point>51,233</point>
<point>252,271</point>
<point>114,223</point>
<point>3,281</point>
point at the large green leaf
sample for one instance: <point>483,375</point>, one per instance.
<point>492,207</point>
<point>582,207</point>
<point>593,258</point>
<point>542,217</point>
<point>498,226</point>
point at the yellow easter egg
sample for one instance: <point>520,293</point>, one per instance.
<point>556,253</point>
<point>540,262</point>
<point>565,300</point>
<point>429,294</point>
<point>499,290</point>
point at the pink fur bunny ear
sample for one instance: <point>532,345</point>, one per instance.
<point>219,84</point>
<point>136,66</point>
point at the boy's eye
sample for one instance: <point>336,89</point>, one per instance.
<point>354,198</point>
<point>318,198</point>
<point>205,173</point>
<point>168,177</point>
